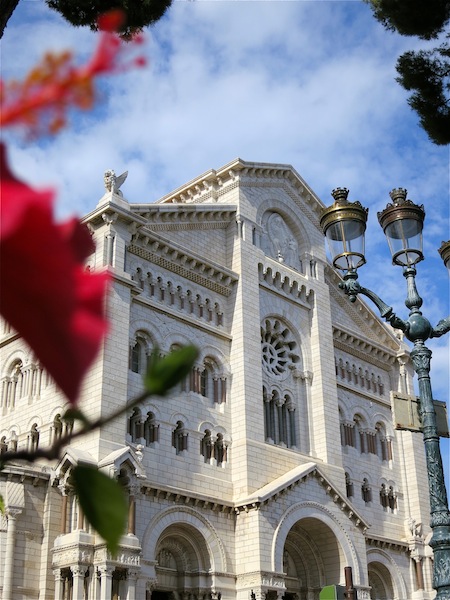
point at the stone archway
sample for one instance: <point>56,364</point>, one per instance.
<point>312,559</point>
<point>380,581</point>
<point>313,547</point>
<point>183,564</point>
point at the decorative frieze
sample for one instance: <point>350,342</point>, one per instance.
<point>210,276</point>
<point>364,349</point>
<point>273,278</point>
<point>163,218</point>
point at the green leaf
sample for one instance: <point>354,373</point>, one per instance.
<point>103,503</point>
<point>2,505</point>
<point>74,414</point>
<point>163,373</point>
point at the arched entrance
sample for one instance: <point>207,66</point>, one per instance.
<point>183,564</point>
<point>312,559</point>
<point>380,581</point>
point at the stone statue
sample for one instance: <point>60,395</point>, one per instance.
<point>281,244</point>
<point>112,182</point>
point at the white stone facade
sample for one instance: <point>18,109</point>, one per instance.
<point>274,466</point>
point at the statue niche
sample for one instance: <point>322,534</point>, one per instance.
<point>279,242</point>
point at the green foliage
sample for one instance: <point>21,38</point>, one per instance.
<point>2,505</point>
<point>74,414</point>
<point>423,18</point>
<point>163,373</point>
<point>424,73</point>
<point>102,499</point>
<point>139,13</point>
<point>103,503</point>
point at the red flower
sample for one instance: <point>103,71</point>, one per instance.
<point>46,294</point>
<point>41,101</point>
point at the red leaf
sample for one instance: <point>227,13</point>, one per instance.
<point>112,20</point>
<point>47,296</point>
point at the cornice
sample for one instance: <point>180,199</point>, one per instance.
<point>189,265</point>
<point>261,497</point>
<point>35,475</point>
<point>214,183</point>
<point>186,217</point>
<point>363,348</point>
<point>187,498</point>
<point>387,544</point>
<point>109,209</point>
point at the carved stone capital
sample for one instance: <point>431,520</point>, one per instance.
<point>109,218</point>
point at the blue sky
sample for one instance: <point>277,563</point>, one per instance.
<point>308,83</point>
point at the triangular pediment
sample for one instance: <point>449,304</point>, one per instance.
<point>113,462</point>
<point>71,458</point>
<point>300,476</point>
<point>215,183</point>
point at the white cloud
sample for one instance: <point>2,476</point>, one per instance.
<point>306,83</point>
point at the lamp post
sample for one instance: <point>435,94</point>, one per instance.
<point>344,225</point>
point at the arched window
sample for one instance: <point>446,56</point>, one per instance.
<point>211,384</point>
<point>220,450</point>
<point>206,446</point>
<point>205,380</point>
<point>348,486</point>
<point>3,445</point>
<point>151,429</point>
<point>13,441</point>
<point>139,353</point>
<point>348,434</point>
<point>383,496</point>
<point>57,427</point>
<point>361,435</point>
<point>366,491</point>
<point>384,443</point>
<point>392,498</point>
<point>388,497</point>
<point>135,425</point>
<point>279,419</point>
<point>33,438</point>
<point>13,385</point>
<point>136,356</point>
<point>180,438</point>
<point>67,582</point>
<point>118,583</point>
<point>371,442</point>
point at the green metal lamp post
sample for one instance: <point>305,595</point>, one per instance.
<point>344,225</point>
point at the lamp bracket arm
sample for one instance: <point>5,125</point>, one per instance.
<point>441,328</point>
<point>386,311</point>
<point>352,288</point>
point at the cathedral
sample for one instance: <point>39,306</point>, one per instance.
<point>268,471</point>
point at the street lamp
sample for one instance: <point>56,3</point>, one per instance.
<point>344,225</point>
<point>444,251</point>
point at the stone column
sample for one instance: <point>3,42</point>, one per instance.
<point>8,576</point>
<point>78,573</point>
<point>419,572</point>
<point>63,524</point>
<point>110,238</point>
<point>132,515</point>
<point>58,584</point>
<point>105,582</point>
<point>80,520</point>
<point>131,588</point>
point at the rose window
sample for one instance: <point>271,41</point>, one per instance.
<point>278,348</point>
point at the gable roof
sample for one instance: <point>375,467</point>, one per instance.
<point>297,476</point>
